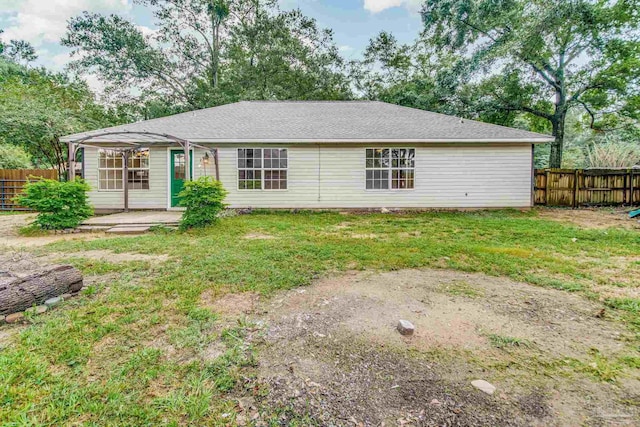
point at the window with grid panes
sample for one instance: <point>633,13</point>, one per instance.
<point>390,168</point>
<point>138,174</point>
<point>111,170</point>
<point>262,168</point>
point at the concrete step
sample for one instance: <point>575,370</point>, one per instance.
<point>130,229</point>
<point>93,228</point>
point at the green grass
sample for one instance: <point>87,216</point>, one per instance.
<point>500,341</point>
<point>462,288</point>
<point>96,359</point>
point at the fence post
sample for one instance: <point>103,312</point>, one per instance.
<point>631,190</point>
<point>574,198</point>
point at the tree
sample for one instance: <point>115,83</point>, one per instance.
<point>13,157</point>
<point>543,58</point>
<point>208,52</point>
<point>18,51</point>
<point>408,75</point>
<point>272,54</point>
<point>38,107</point>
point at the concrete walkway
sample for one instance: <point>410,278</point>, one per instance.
<point>134,222</point>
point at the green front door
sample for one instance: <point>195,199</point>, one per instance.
<point>178,171</point>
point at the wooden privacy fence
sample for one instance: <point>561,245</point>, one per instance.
<point>587,187</point>
<point>12,181</point>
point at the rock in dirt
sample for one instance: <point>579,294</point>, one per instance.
<point>36,310</point>
<point>482,385</point>
<point>14,318</point>
<point>405,327</point>
<point>52,302</point>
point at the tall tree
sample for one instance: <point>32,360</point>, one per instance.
<point>403,74</point>
<point>18,51</point>
<point>38,107</point>
<point>544,57</point>
<point>208,52</point>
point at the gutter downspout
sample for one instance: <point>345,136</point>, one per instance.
<point>319,173</point>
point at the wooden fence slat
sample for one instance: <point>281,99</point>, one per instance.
<point>586,187</point>
<point>12,181</point>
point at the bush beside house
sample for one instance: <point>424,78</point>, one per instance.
<point>59,205</point>
<point>203,200</point>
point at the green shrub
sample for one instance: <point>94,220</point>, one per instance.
<point>203,199</point>
<point>59,205</point>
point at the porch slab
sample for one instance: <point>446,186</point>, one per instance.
<point>140,218</point>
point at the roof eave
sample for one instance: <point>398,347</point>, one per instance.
<point>541,140</point>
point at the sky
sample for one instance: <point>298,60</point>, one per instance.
<point>43,22</point>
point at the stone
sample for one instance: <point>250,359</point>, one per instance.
<point>51,302</point>
<point>14,318</point>
<point>385,211</point>
<point>36,310</point>
<point>484,386</point>
<point>65,296</point>
<point>405,327</point>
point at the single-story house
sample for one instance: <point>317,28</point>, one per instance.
<point>312,154</point>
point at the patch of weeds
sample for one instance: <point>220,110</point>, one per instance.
<point>631,361</point>
<point>600,367</point>
<point>631,305</point>
<point>227,369</point>
<point>90,290</point>
<point>555,283</point>
<point>462,288</point>
<point>33,230</point>
<point>91,266</point>
<point>197,334</point>
<point>161,229</point>
<point>500,341</point>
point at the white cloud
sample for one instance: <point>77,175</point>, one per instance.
<point>377,6</point>
<point>45,21</point>
<point>345,48</point>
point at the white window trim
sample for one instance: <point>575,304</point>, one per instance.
<point>390,169</point>
<point>106,190</point>
<point>262,169</point>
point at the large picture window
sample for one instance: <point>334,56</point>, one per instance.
<point>111,170</point>
<point>390,168</point>
<point>262,168</point>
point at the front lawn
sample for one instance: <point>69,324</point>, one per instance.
<point>97,359</point>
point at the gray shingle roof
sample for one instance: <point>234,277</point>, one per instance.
<point>320,121</point>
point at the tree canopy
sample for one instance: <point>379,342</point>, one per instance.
<point>38,107</point>
<point>210,52</point>
<point>543,58</point>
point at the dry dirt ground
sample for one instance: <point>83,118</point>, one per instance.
<point>10,224</point>
<point>592,218</point>
<point>331,351</point>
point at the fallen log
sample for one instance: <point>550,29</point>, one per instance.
<point>19,293</point>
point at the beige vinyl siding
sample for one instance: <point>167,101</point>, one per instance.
<point>333,176</point>
<point>153,198</point>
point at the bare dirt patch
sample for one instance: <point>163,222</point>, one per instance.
<point>258,236</point>
<point>333,353</point>
<point>11,224</point>
<point>597,218</point>
<point>230,305</point>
